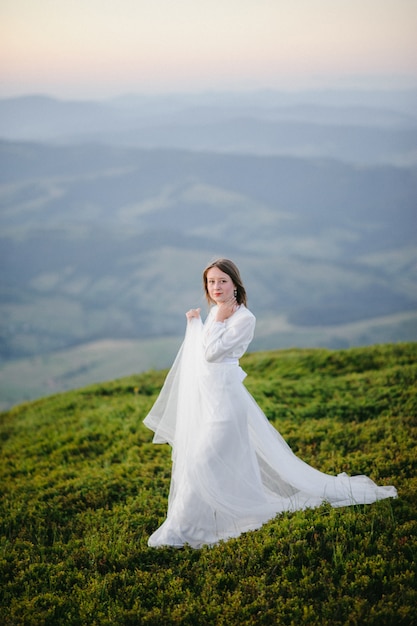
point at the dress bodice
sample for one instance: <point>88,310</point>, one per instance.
<point>227,341</point>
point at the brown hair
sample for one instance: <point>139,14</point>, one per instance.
<point>229,268</point>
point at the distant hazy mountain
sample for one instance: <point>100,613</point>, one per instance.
<point>359,126</point>
<point>108,242</point>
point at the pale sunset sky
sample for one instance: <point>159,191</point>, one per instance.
<point>103,48</point>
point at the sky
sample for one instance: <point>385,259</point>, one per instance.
<point>103,48</point>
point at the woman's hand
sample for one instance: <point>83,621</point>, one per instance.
<point>226,309</point>
<point>193,313</point>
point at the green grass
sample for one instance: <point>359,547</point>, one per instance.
<point>83,487</point>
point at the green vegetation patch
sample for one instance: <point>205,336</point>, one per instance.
<point>82,487</point>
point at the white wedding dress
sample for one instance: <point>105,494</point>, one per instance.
<point>231,470</point>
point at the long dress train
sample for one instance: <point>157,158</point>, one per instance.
<point>231,469</point>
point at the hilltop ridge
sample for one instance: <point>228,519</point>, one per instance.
<point>83,487</point>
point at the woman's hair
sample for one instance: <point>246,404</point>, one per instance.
<point>229,268</point>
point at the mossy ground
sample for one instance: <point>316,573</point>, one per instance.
<point>83,487</point>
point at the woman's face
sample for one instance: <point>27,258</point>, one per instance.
<point>219,285</point>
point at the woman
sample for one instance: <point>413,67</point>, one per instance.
<point>231,470</point>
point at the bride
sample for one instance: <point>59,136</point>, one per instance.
<point>231,470</point>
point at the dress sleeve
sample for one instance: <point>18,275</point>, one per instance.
<point>228,339</point>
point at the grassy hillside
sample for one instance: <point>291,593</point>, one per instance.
<point>83,487</point>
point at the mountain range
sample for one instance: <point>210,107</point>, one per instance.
<point>312,124</point>
<point>110,211</point>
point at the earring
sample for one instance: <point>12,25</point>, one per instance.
<point>235,293</point>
